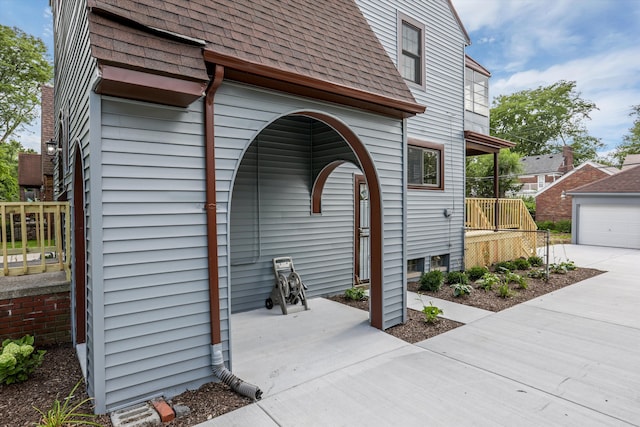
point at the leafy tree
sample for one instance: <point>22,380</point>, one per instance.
<point>480,174</point>
<point>542,120</point>
<point>630,142</point>
<point>23,69</point>
<point>9,190</point>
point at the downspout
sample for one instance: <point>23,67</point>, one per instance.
<point>217,359</point>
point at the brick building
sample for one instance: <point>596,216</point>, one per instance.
<point>553,205</point>
<point>46,133</point>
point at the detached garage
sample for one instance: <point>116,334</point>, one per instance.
<point>607,212</point>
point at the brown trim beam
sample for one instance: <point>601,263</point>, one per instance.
<point>246,71</point>
<point>141,86</point>
<point>318,185</point>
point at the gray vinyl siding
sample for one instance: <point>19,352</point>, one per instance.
<point>241,114</point>
<point>154,254</point>
<point>270,213</point>
<point>429,232</point>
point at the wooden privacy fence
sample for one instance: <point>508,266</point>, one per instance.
<point>35,237</point>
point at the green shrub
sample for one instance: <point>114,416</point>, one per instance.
<point>431,281</point>
<point>530,203</point>
<point>521,264</point>
<point>503,266</point>
<point>18,360</point>
<point>461,289</point>
<point>535,261</point>
<point>504,291</point>
<point>431,313</point>
<point>488,281</point>
<point>356,294</point>
<point>454,277</point>
<point>475,273</point>
<point>563,226</point>
<point>546,225</point>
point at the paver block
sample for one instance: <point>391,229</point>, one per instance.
<point>141,415</point>
<point>164,410</point>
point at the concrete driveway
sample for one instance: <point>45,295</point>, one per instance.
<point>568,358</point>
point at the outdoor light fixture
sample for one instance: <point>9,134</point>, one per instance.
<point>52,147</point>
<point>563,195</point>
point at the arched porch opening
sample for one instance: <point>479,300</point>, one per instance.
<point>281,207</point>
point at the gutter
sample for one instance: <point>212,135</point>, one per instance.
<point>217,359</point>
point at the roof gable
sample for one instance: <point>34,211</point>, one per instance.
<point>626,181</point>
<point>327,41</point>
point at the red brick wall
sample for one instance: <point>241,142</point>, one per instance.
<point>551,207</point>
<point>45,317</point>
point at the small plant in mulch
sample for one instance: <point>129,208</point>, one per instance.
<point>504,291</point>
<point>63,414</point>
<point>431,312</point>
<point>431,281</point>
<point>504,266</point>
<point>355,294</point>
<point>454,277</point>
<point>535,261</point>
<point>537,273</point>
<point>488,281</point>
<point>510,277</point>
<point>18,359</point>
<point>461,289</point>
<point>521,264</point>
<point>563,267</point>
<point>475,273</point>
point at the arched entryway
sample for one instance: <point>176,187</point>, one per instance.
<point>79,251</point>
<point>275,209</point>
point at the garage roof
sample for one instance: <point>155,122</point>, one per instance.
<point>626,181</point>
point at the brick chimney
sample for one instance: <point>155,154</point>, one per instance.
<point>567,156</point>
<point>46,133</point>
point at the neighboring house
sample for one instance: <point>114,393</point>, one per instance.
<point>607,212</point>
<point>542,170</point>
<point>552,201</point>
<point>47,126</point>
<point>29,176</point>
<point>199,140</point>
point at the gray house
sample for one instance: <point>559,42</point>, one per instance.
<point>201,139</point>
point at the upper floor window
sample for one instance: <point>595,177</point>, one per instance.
<point>425,165</point>
<point>476,92</point>
<point>411,44</point>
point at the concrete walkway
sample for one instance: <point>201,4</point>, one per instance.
<point>571,357</point>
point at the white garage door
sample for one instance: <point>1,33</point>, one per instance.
<point>616,225</point>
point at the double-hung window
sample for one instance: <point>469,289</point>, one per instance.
<point>425,165</point>
<point>411,44</point>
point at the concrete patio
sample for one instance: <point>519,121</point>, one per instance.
<point>568,358</point>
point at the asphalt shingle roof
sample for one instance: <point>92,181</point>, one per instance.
<point>626,181</point>
<point>542,164</point>
<point>329,40</point>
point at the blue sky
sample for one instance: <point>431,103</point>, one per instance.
<point>531,43</point>
<point>33,17</point>
<point>524,43</point>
